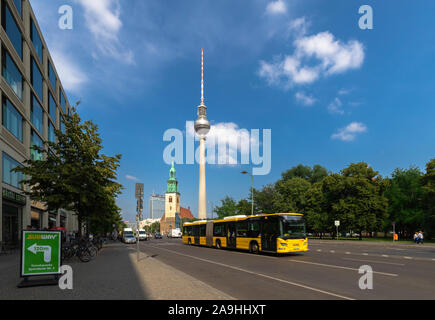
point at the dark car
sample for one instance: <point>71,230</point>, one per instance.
<point>158,236</point>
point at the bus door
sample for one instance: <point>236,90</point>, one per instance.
<point>269,233</point>
<point>231,235</point>
<point>196,234</point>
<point>209,234</point>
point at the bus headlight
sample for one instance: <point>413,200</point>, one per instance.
<point>283,244</point>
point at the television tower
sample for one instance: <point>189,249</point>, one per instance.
<point>202,128</point>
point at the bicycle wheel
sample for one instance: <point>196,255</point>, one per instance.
<point>84,255</point>
<point>93,251</point>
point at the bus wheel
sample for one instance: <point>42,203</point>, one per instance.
<point>218,244</point>
<point>254,247</point>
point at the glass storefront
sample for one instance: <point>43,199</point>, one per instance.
<point>10,224</point>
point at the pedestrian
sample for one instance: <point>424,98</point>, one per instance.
<point>420,237</point>
<point>416,238</point>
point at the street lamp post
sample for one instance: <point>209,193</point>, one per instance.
<point>252,190</point>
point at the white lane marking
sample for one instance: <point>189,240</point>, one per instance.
<point>261,275</point>
<point>385,255</point>
<point>409,258</point>
<point>347,252</point>
<point>365,254</point>
<point>341,267</point>
<point>395,264</point>
<point>332,251</point>
<point>319,250</point>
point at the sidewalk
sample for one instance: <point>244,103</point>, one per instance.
<point>113,274</point>
<point>376,243</point>
<point>166,283</point>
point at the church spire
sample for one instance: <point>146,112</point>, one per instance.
<point>172,182</point>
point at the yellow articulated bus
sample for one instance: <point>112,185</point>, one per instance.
<point>277,233</point>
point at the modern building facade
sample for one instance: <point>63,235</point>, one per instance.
<point>157,206</point>
<point>33,105</point>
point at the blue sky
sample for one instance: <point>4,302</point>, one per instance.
<point>331,93</point>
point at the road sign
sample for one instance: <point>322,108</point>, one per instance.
<point>41,253</point>
<point>139,190</point>
<point>337,223</point>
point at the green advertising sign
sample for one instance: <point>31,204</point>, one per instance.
<point>41,253</point>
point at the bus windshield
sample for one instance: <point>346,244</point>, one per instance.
<point>292,227</point>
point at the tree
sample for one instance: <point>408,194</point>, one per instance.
<point>291,195</point>
<point>428,182</point>
<point>74,174</point>
<point>264,199</point>
<point>315,215</point>
<point>244,207</point>
<point>356,198</point>
<point>405,195</point>
<point>315,174</point>
<point>228,208</point>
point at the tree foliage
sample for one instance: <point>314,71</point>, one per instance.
<point>74,174</point>
<point>357,196</point>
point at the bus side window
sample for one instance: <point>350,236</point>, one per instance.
<point>254,229</point>
<point>242,229</point>
<point>219,230</point>
<point>202,229</point>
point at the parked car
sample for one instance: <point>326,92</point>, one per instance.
<point>158,236</point>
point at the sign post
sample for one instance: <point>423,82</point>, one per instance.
<point>337,224</point>
<point>394,231</point>
<point>41,255</point>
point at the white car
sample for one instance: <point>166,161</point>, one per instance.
<point>129,239</point>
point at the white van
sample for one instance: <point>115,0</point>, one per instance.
<point>142,235</point>
<point>174,233</point>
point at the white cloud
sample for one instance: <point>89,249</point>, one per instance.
<point>314,56</point>
<point>131,178</point>
<point>305,99</point>
<point>70,75</point>
<point>335,56</point>
<point>103,20</point>
<point>335,106</point>
<point>299,26</point>
<point>276,7</point>
<point>237,142</point>
<point>350,132</point>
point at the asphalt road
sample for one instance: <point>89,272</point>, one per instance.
<point>330,270</point>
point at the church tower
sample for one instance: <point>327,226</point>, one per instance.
<point>172,197</point>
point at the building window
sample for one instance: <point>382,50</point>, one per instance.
<point>170,199</point>
<point>11,74</point>
<point>35,140</point>
<point>36,40</point>
<point>9,177</point>
<point>10,26</point>
<point>51,76</point>
<point>62,126</point>
<point>52,109</point>
<point>36,115</point>
<point>18,5</point>
<point>62,100</point>
<point>51,132</point>
<point>37,79</point>
<point>12,119</point>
